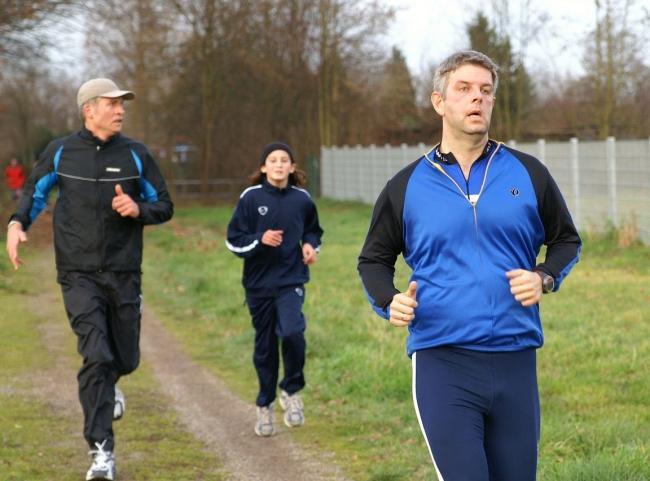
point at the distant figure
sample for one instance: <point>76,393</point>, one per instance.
<point>470,217</point>
<point>15,178</point>
<point>275,229</point>
<point>109,188</point>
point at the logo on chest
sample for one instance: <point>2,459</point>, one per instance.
<point>262,209</point>
<point>113,169</point>
<point>514,191</point>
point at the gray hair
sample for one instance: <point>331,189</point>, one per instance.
<point>92,101</point>
<point>457,60</point>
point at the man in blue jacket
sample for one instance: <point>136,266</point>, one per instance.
<point>470,217</point>
<point>109,188</point>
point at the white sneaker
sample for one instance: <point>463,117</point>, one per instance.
<point>103,467</point>
<point>120,404</point>
<point>264,425</point>
<point>293,409</point>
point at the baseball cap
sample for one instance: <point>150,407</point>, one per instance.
<point>101,87</point>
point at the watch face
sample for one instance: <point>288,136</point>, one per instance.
<point>548,283</point>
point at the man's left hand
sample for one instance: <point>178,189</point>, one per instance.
<point>123,204</point>
<point>309,254</point>
<point>526,286</point>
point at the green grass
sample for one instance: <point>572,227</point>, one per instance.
<point>38,442</point>
<point>593,370</point>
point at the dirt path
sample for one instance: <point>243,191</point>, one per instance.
<point>206,407</point>
<point>222,420</point>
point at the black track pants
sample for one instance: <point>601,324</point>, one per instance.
<point>104,312</point>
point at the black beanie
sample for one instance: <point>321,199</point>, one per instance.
<point>276,146</point>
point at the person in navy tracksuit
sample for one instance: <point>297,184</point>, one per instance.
<point>469,217</point>
<point>275,229</point>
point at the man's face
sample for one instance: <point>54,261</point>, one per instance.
<point>105,117</point>
<point>467,105</point>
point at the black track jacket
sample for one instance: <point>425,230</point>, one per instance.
<point>88,234</point>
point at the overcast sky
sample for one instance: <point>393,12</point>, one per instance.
<point>428,30</point>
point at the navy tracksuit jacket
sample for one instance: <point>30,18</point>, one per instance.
<point>263,207</point>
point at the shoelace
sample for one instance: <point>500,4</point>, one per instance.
<point>101,458</point>
<point>265,414</point>
<point>294,402</point>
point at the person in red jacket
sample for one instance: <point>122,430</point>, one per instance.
<point>15,178</point>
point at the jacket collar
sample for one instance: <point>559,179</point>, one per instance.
<point>449,158</point>
<point>271,188</point>
<point>86,134</point>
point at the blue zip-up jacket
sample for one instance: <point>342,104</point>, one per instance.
<point>263,207</point>
<point>88,234</point>
<point>460,237</point>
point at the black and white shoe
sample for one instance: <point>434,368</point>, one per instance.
<point>103,467</point>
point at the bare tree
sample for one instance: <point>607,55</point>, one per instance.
<point>347,35</point>
<point>611,58</point>
<point>36,109</point>
<point>21,23</point>
<point>133,46</point>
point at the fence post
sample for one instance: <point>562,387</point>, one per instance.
<point>541,150</point>
<point>324,163</point>
<point>611,180</point>
<point>575,177</point>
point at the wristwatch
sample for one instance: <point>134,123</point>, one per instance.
<point>548,282</point>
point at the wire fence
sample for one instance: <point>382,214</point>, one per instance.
<point>605,183</point>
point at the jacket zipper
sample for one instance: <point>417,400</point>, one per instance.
<point>100,214</point>
<point>471,202</point>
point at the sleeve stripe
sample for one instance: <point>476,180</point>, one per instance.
<point>41,191</point>
<point>252,187</point>
<point>567,268</point>
<point>147,191</point>
<point>247,248</point>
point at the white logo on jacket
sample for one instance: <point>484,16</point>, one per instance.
<point>299,291</point>
<point>262,209</point>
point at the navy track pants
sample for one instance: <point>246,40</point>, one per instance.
<point>479,412</point>
<point>104,312</point>
<point>278,317</point>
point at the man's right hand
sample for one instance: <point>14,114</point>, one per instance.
<point>272,238</point>
<point>15,235</point>
<point>402,309</point>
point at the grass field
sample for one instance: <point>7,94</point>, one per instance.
<point>593,370</point>
<point>39,441</point>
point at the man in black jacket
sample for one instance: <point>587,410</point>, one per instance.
<point>109,188</point>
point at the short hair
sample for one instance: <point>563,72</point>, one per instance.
<point>92,101</point>
<point>457,60</point>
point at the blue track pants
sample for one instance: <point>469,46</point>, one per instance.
<point>479,412</point>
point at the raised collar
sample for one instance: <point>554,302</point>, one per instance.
<point>449,158</point>
<point>86,134</point>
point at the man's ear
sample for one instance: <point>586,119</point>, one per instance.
<point>438,103</point>
<point>88,109</point>
<point>263,168</point>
